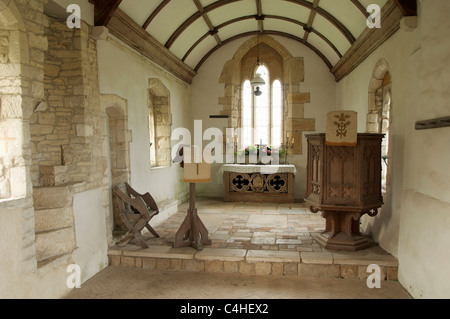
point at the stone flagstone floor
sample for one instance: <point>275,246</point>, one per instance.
<point>251,226</point>
<point>258,251</point>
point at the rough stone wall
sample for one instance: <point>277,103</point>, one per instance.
<point>70,130</point>
<point>22,48</point>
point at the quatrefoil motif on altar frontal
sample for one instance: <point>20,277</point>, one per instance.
<point>278,183</point>
<point>240,182</point>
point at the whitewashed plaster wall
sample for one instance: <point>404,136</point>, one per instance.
<point>125,73</point>
<point>206,90</point>
<point>92,248</point>
<point>414,223</point>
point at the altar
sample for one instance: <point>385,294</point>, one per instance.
<point>259,183</point>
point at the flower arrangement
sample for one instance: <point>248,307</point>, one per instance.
<point>268,150</point>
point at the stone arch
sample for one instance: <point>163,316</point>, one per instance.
<point>159,108</point>
<point>291,74</point>
<point>117,140</point>
<point>15,108</point>
<point>379,117</point>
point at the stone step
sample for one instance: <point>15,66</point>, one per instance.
<point>55,261</point>
<point>54,243</point>
<point>54,218</point>
<point>52,197</point>
<point>255,262</point>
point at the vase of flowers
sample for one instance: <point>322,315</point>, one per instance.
<point>262,154</point>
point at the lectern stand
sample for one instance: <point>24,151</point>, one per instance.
<point>192,231</point>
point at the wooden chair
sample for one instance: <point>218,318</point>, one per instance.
<point>136,211</point>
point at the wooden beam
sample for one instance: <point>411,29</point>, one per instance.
<point>104,10</point>
<point>408,7</point>
<point>369,41</point>
<point>132,34</point>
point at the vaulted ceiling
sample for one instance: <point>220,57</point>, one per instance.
<point>181,34</point>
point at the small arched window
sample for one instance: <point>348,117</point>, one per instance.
<point>262,116</point>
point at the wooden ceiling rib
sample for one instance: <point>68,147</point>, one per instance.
<point>300,24</point>
<point>268,32</point>
<point>360,7</point>
<point>193,18</point>
<point>155,13</point>
<point>260,17</point>
<point>338,35</point>
<point>339,25</point>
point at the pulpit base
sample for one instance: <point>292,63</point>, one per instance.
<point>341,241</point>
<point>342,231</point>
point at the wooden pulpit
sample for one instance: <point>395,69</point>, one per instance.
<point>344,183</point>
<point>192,231</point>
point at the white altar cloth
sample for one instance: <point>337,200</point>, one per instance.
<point>262,169</point>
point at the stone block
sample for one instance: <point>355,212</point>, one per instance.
<point>51,197</point>
<point>54,243</point>
<point>319,271</point>
<point>49,219</point>
<point>127,261</point>
<point>246,268</point>
<point>100,33</point>
<point>5,188</point>
<point>11,107</point>
<point>290,269</point>
<point>214,266</point>
<point>296,70</point>
<point>114,261</point>
<point>149,263</point>
<point>263,269</point>
<point>162,263</point>
<point>349,271</point>
<point>231,266</point>
<point>194,265</point>
<point>299,98</point>
<point>85,130</point>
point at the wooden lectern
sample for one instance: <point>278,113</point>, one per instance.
<point>192,231</point>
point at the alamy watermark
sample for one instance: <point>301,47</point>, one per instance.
<point>74,279</point>
<point>74,19</point>
<point>374,19</point>
<point>374,280</point>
